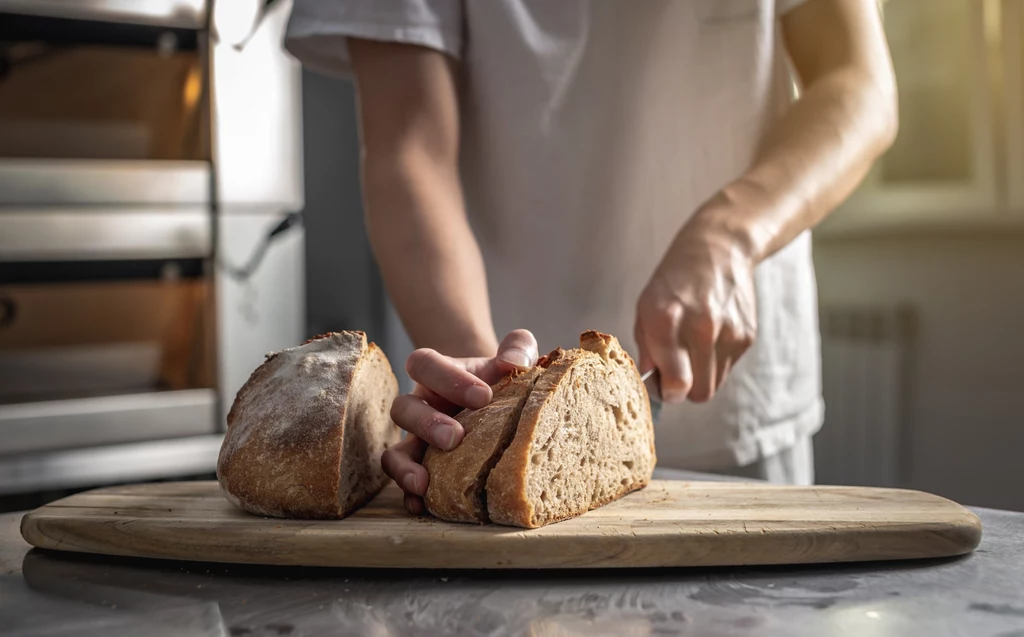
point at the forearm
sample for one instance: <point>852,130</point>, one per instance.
<point>429,259</point>
<point>814,156</point>
<point>428,256</point>
<point>808,163</point>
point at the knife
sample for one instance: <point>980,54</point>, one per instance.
<point>653,391</point>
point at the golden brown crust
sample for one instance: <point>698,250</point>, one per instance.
<point>282,455</point>
<point>597,342</point>
<point>457,477</point>
<point>548,359</point>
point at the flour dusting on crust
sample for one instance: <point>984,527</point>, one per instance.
<point>283,453</point>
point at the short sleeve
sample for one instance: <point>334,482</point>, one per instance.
<point>318,29</point>
<point>782,7</point>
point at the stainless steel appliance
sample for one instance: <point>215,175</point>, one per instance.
<point>147,148</point>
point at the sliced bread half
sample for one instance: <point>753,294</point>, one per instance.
<point>307,430</point>
<point>584,439</point>
<point>457,477</point>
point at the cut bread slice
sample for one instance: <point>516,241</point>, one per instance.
<point>457,477</point>
<point>585,438</point>
<point>307,430</point>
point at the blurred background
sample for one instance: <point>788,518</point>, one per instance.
<point>178,197</point>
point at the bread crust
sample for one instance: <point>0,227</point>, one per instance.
<point>283,453</point>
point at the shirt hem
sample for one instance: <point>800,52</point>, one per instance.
<point>324,47</point>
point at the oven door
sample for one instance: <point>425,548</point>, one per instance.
<point>130,122</point>
<point>103,352</point>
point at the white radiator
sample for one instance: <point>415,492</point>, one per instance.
<point>866,363</point>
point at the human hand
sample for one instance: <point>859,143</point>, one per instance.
<point>444,386</point>
<point>698,313</point>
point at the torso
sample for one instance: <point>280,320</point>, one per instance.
<point>592,131</point>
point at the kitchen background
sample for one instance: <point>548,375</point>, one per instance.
<point>112,240</point>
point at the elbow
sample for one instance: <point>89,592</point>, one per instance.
<point>403,188</point>
<point>385,193</point>
<point>388,171</point>
<point>373,182</point>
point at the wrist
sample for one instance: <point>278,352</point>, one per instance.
<point>734,219</point>
<point>483,346</point>
<point>466,346</point>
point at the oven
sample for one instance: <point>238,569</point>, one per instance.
<point>150,185</point>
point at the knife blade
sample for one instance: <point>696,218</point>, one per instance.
<point>653,391</point>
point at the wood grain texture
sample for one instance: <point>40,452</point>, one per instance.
<point>667,524</point>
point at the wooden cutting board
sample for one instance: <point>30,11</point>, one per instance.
<point>667,524</point>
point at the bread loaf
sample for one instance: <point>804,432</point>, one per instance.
<point>307,430</point>
<point>584,438</point>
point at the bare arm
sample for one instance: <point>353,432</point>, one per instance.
<point>427,253</point>
<point>818,152</point>
<point>428,256</point>
<point>698,315</point>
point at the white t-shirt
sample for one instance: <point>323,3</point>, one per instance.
<point>592,130</point>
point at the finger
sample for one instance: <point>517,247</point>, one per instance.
<point>448,379</point>
<point>724,366</point>
<point>414,504</point>
<point>437,402</point>
<point>731,345</point>
<point>518,350</point>
<point>700,334</point>
<point>401,462</point>
<point>673,363</point>
<point>414,415</point>
<point>675,376</point>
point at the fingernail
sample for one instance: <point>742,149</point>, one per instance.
<point>442,436</point>
<point>515,356</point>
<point>477,396</point>
<point>410,483</point>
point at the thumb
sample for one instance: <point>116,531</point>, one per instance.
<point>518,350</point>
